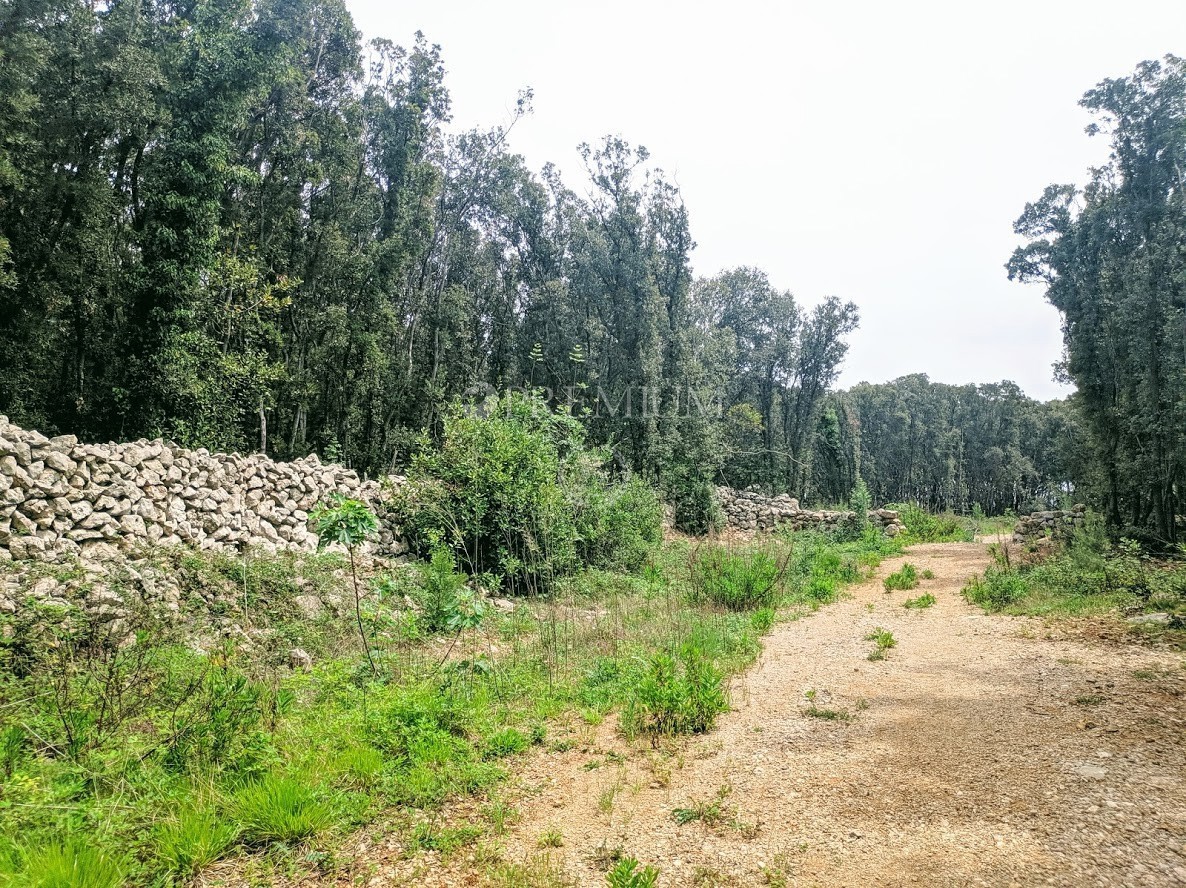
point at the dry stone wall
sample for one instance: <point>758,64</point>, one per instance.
<point>1048,525</point>
<point>749,510</point>
<point>60,498</point>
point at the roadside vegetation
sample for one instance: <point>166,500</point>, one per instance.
<point>143,751</point>
<point>1087,573</point>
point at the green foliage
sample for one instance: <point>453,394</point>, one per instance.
<point>506,742</point>
<point>441,592</point>
<point>279,808</point>
<point>192,839</point>
<point>629,873</point>
<point>906,577</point>
<point>695,507</point>
<point>924,527</point>
<point>673,697</point>
<point>860,501</point>
<point>343,520</point>
<point>923,601</point>
<point>737,578</point>
<point>883,640</point>
<point>513,492</point>
<point>71,864</point>
<point>1106,255</point>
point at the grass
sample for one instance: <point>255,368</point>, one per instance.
<point>1089,575</point>
<point>883,640</point>
<point>180,758</point>
<point>923,601</point>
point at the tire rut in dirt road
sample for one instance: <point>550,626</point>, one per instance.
<point>978,752</point>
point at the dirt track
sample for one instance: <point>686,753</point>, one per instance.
<point>980,752</point>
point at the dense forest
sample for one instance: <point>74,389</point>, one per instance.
<point>236,225</point>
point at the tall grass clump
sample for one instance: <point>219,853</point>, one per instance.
<point>192,839</point>
<point>70,864</point>
<point>737,578</point>
<point>924,527</point>
<point>279,808</point>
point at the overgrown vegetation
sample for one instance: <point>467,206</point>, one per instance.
<point>169,758</point>
<point>1087,573</point>
<point>903,579</point>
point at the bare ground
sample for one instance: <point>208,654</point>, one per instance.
<point>984,750</point>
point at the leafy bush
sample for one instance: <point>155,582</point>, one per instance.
<point>923,601</point>
<point>676,698</point>
<point>923,527</point>
<point>515,494</point>
<point>440,591</point>
<point>902,579</point>
<point>279,809</point>
<point>737,579</point>
<point>694,506</point>
<point>997,589</point>
<point>628,873</point>
<point>70,864</point>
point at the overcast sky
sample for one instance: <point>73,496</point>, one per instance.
<point>876,151</point>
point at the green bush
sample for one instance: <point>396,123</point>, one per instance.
<point>515,494</point>
<point>70,864</point>
<point>279,808</point>
<point>860,501</point>
<point>694,506</point>
<point>618,526</point>
<point>506,742</point>
<point>997,589</point>
<point>923,601</point>
<point>628,873</point>
<point>440,591</point>
<point>903,579</point>
<point>737,579</point>
<point>683,697</point>
<point>923,527</point>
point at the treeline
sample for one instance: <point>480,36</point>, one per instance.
<point>233,224</point>
<point>230,223</point>
<point>1112,257</point>
<point>948,447</point>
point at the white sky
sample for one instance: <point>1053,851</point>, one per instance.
<point>876,151</point>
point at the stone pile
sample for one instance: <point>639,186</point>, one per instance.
<point>60,498</point>
<point>1048,525</point>
<point>749,510</point>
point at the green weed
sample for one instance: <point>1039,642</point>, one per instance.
<point>883,640</point>
<point>902,579</point>
<point>279,809</point>
<point>629,873</point>
<point>923,601</point>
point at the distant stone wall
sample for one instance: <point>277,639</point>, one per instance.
<point>60,498</point>
<point>1048,525</point>
<point>748,510</point>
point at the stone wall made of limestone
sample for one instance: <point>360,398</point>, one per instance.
<point>1048,525</point>
<point>748,511</point>
<point>61,498</point>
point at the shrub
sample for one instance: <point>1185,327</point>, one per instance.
<point>618,527</point>
<point>71,864</point>
<point>903,579</point>
<point>737,579</point>
<point>193,839</point>
<point>999,588</point>
<point>440,590</point>
<point>514,493</point>
<point>676,698</point>
<point>694,507</point>
<point>628,873</point>
<point>279,809</point>
<point>860,501</point>
<point>506,742</point>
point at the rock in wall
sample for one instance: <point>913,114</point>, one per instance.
<point>749,510</point>
<point>1048,525</point>
<point>60,498</point>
